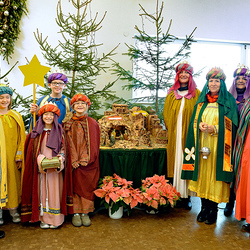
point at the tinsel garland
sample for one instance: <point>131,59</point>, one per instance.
<point>11,12</point>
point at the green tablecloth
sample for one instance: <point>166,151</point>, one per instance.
<point>133,164</point>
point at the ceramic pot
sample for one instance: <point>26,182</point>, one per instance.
<point>116,215</point>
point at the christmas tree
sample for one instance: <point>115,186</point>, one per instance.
<point>11,12</point>
<point>76,55</point>
<point>152,61</point>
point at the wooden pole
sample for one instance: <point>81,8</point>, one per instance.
<point>34,101</point>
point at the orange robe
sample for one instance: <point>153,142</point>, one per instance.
<point>82,138</point>
<point>242,207</point>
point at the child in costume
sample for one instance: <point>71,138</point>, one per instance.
<point>57,83</point>
<point>42,194</point>
<point>82,141</point>
<point>12,138</point>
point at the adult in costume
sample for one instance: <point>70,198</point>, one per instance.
<point>82,141</point>
<point>12,138</point>
<point>177,112</point>
<point>242,167</point>
<point>240,89</point>
<point>213,124</point>
<point>57,82</point>
<point>42,194</point>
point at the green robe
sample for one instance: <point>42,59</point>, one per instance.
<point>228,123</point>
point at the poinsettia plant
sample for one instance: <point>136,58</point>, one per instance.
<point>116,192</point>
<point>157,191</point>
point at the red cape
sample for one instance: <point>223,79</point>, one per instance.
<point>83,180</point>
<point>30,203</point>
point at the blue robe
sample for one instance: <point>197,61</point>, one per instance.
<point>63,104</point>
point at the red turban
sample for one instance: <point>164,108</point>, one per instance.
<point>80,97</point>
<point>184,66</point>
<point>49,108</point>
<point>191,83</point>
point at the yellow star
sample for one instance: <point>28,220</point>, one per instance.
<point>34,72</point>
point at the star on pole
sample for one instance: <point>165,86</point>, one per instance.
<point>34,74</point>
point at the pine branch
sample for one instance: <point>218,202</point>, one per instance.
<point>158,73</point>
<point>77,54</point>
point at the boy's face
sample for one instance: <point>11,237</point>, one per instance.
<point>57,86</point>
<point>48,118</point>
<point>80,107</point>
<point>5,101</point>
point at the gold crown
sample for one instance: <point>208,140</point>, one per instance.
<point>51,103</point>
<point>242,66</point>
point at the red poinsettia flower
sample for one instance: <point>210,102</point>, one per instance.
<point>157,191</point>
<point>115,189</point>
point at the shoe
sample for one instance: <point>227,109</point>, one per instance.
<point>2,234</point>
<point>1,221</point>
<point>179,203</point>
<point>187,205</point>
<point>204,210</point>
<point>76,220</point>
<point>246,228</point>
<point>53,227</point>
<point>228,209</point>
<point>202,215</point>
<point>44,225</point>
<point>212,215</point>
<point>85,220</point>
<point>16,218</point>
<point>230,205</point>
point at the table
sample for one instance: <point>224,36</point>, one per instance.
<point>133,164</point>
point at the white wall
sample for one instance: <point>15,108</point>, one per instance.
<point>214,19</point>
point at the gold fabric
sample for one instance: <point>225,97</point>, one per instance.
<point>170,114</point>
<point>13,128</point>
<point>3,164</point>
<point>207,187</point>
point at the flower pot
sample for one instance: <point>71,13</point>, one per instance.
<point>116,215</point>
<point>152,211</point>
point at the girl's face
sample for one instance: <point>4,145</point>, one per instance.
<point>48,118</point>
<point>5,100</point>
<point>80,108</point>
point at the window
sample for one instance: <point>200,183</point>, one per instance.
<point>204,56</point>
<point>247,55</point>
